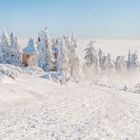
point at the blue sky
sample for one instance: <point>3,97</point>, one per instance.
<point>118,19</point>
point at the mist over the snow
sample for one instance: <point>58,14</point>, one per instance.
<point>114,46</point>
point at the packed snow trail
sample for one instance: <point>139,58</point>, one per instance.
<point>37,109</point>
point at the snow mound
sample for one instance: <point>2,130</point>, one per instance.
<point>33,70</point>
<point>58,77</point>
<point>9,71</point>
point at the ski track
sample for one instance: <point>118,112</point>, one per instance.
<point>78,112</point>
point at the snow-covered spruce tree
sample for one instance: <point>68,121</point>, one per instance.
<point>109,64</point>
<point>44,47</point>
<point>5,39</point>
<point>105,61</point>
<point>129,62</point>
<point>90,54</point>
<point>4,45</point>
<point>102,58</point>
<point>92,58</point>
<point>13,40</point>
<point>15,50</point>
<point>62,56</point>
<point>133,61</point>
<point>74,64</point>
<point>120,64</point>
<point>9,50</point>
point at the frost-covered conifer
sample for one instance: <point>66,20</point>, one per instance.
<point>74,64</point>
<point>44,46</point>
<point>10,50</point>
<point>5,39</point>
<point>120,64</point>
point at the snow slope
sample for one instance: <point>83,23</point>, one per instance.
<point>33,108</point>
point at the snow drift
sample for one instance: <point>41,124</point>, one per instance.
<point>14,72</point>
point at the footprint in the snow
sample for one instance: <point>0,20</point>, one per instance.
<point>56,138</point>
<point>33,123</point>
<point>78,130</point>
<point>63,131</point>
<point>83,105</point>
<point>45,115</point>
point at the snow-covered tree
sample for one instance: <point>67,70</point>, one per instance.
<point>5,39</point>
<point>4,45</point>
<point>13,41</point>
<point>90,54</point>
<point>45,47</point>
<point>74,64</point>
<point>102,58</point>
<point>108,63</point>
<point>120,64</point>
<point>133,61</point>
<point>9,50</point>
<point>62,56</point>
<point>91,57</point>
<point>129,62</point>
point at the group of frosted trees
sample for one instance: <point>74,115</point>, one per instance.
<point>58,55</point>
<point>98,62</point>
<point>9,49</point>
<point>61,55</point>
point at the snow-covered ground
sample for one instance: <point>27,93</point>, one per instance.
<point>33,108</point>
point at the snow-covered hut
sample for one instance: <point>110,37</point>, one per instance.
<point>30,54</point>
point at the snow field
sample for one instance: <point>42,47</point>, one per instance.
<point>74,112</point>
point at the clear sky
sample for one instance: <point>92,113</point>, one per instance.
<point>118,19</point>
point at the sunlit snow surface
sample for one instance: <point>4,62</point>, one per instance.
<point>33,108</point>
